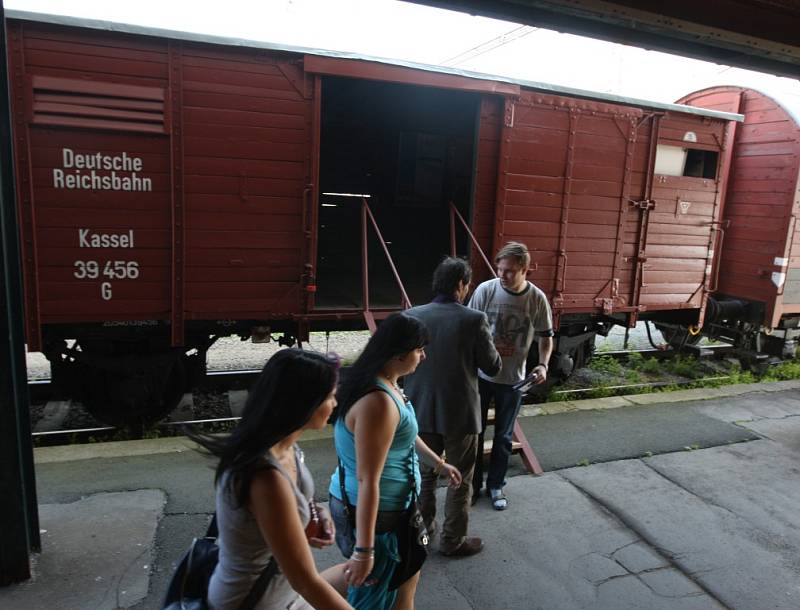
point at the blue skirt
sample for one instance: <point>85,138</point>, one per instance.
<point>374,596</point>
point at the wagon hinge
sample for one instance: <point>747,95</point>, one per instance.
<point>606,304</point>
<point>647,117</point>
<point>613,289</point>
<point>508,113</point>
<point>644,204</point>
<point>293,72</point>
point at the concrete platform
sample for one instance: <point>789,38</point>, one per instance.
<point>674,517</point>
<point>97,553</point>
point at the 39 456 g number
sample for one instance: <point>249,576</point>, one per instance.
<point>115,270</point>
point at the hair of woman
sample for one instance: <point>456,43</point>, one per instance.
<point>292,385</point>
<point>395,336</point>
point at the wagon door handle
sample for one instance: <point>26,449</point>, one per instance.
<point>644,204</point>
<point>782,287</point>
<point>307,210</point>
<point>718,226</point>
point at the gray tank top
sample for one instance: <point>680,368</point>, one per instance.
<point>243,552</point>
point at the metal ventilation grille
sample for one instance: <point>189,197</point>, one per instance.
<point>98,105</point>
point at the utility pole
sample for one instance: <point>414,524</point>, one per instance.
<point>19,534</point>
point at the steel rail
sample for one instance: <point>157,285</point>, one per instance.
<point>615,389</point>
<point>221,378</point>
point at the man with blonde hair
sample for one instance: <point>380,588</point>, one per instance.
<point>517,311</point>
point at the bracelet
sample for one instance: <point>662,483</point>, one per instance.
<point>356,557</point>
<point>544,365</point>
<point>364,549</point>
<point>438,468</point>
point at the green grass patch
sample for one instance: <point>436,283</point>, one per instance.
<point>785,370</point>
<point>599,391</point>
<point>555,395</point>
<point>606,364</point>
<point>638,362</point>
<point>635,361</point>
<point>633,376</point>
<point>682,366</point>
<point>651,366</point>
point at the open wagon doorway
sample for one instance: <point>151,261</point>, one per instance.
<point>411,149</point>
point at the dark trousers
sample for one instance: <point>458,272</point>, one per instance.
<point>460,452</point>
<point>507,401</point>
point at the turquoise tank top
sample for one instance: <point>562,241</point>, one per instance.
<point>394,482</point>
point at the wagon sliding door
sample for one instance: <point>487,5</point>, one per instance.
<point>569,171</point>
<point>247,124</point>
<point>682,225</point>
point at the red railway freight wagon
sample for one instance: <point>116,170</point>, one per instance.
<point>756,305</point>
<point>174,188</point>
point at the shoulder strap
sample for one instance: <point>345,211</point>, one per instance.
<point>260,586</point>
<point>412,480</point>
<point>345,500</point>
<point>212,531</point>
<point>381,387</point>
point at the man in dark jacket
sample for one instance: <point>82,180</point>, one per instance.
<point>444,391</point>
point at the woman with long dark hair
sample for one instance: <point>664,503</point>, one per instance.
<point>265,492</point>
<point>375,432</point>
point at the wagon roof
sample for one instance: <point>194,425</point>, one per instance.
<point>239,42</point>
<point>787,100</point>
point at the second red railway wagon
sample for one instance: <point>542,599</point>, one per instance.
<point>174,188</point>
<point>756,305</point>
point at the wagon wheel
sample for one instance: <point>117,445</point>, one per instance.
<point>135,392</point>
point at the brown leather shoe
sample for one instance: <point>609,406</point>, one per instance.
<point>470,546</point>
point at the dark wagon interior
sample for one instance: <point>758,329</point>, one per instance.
<point>411,149</point>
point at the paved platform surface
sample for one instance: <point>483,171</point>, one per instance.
<point>689,502</point>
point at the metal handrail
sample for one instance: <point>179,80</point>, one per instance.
<point>366,214</point>
<point>454,213</point>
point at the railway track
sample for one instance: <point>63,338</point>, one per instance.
<point>227,390</point>
<point>49,429</point>
<point>628,388</point>
<point>40,390</point>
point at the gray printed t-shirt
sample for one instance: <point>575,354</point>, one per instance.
<point>514,318</point>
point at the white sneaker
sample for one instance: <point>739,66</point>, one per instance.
<point>499,500</point>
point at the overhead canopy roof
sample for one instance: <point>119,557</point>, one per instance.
<point>760,35</point>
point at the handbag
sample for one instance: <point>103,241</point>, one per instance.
<point>188,587</point>
<point>412,535</point>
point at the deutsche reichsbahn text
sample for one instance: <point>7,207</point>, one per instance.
<point>82,171</point>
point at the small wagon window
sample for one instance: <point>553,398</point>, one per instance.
<point>691,162</point>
